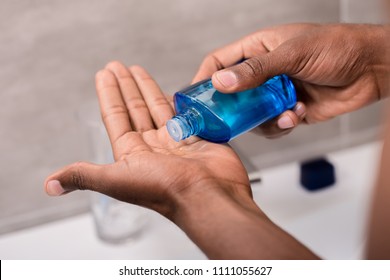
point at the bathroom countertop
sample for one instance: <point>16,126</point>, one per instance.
<point>331,221</point>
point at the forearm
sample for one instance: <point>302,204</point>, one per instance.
<point>227,227</point>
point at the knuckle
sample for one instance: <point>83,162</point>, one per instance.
<point>255,67</point>
<point>78,179</point>
<point>136,103</point>
<point>113,111</point>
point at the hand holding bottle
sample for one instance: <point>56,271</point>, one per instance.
<point>335,68</point>
<point>217,117</point>
<point>201,186</point>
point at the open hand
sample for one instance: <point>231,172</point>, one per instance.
<point>201,186</point>
<point>150,168</point>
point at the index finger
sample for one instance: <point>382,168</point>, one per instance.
<point>229,55</point>
<point>113,109</point>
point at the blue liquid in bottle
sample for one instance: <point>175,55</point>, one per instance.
<point>218,117</point>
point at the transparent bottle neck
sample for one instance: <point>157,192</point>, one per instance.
<point>186,124</point>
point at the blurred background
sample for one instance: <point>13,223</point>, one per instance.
<point>51,50</point>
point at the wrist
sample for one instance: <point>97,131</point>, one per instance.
<point>209,199</point>
<point>227,224</point>
<point>205,195</point>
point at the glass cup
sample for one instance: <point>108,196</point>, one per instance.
<point>115,221</point>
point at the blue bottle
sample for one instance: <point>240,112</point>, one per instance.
<point>218,117</point>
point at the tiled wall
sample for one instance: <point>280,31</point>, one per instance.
<point>50,50</point>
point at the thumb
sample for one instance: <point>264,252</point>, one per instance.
<point>79,176</point>
<point>255,71</point>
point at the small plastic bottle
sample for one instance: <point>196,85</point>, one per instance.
<point>218,117</point>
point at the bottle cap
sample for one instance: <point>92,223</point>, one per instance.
<point>175,130</point>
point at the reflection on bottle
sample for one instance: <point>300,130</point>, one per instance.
<point>203,111</point>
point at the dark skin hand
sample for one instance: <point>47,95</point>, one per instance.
<point>143,150</point>
<point>335,68</point>
<point>201,186</point>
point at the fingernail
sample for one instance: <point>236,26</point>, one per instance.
<point>299,110</point>
<point>227,78</point>
<point>54,188</point>
<point>285,122</point>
